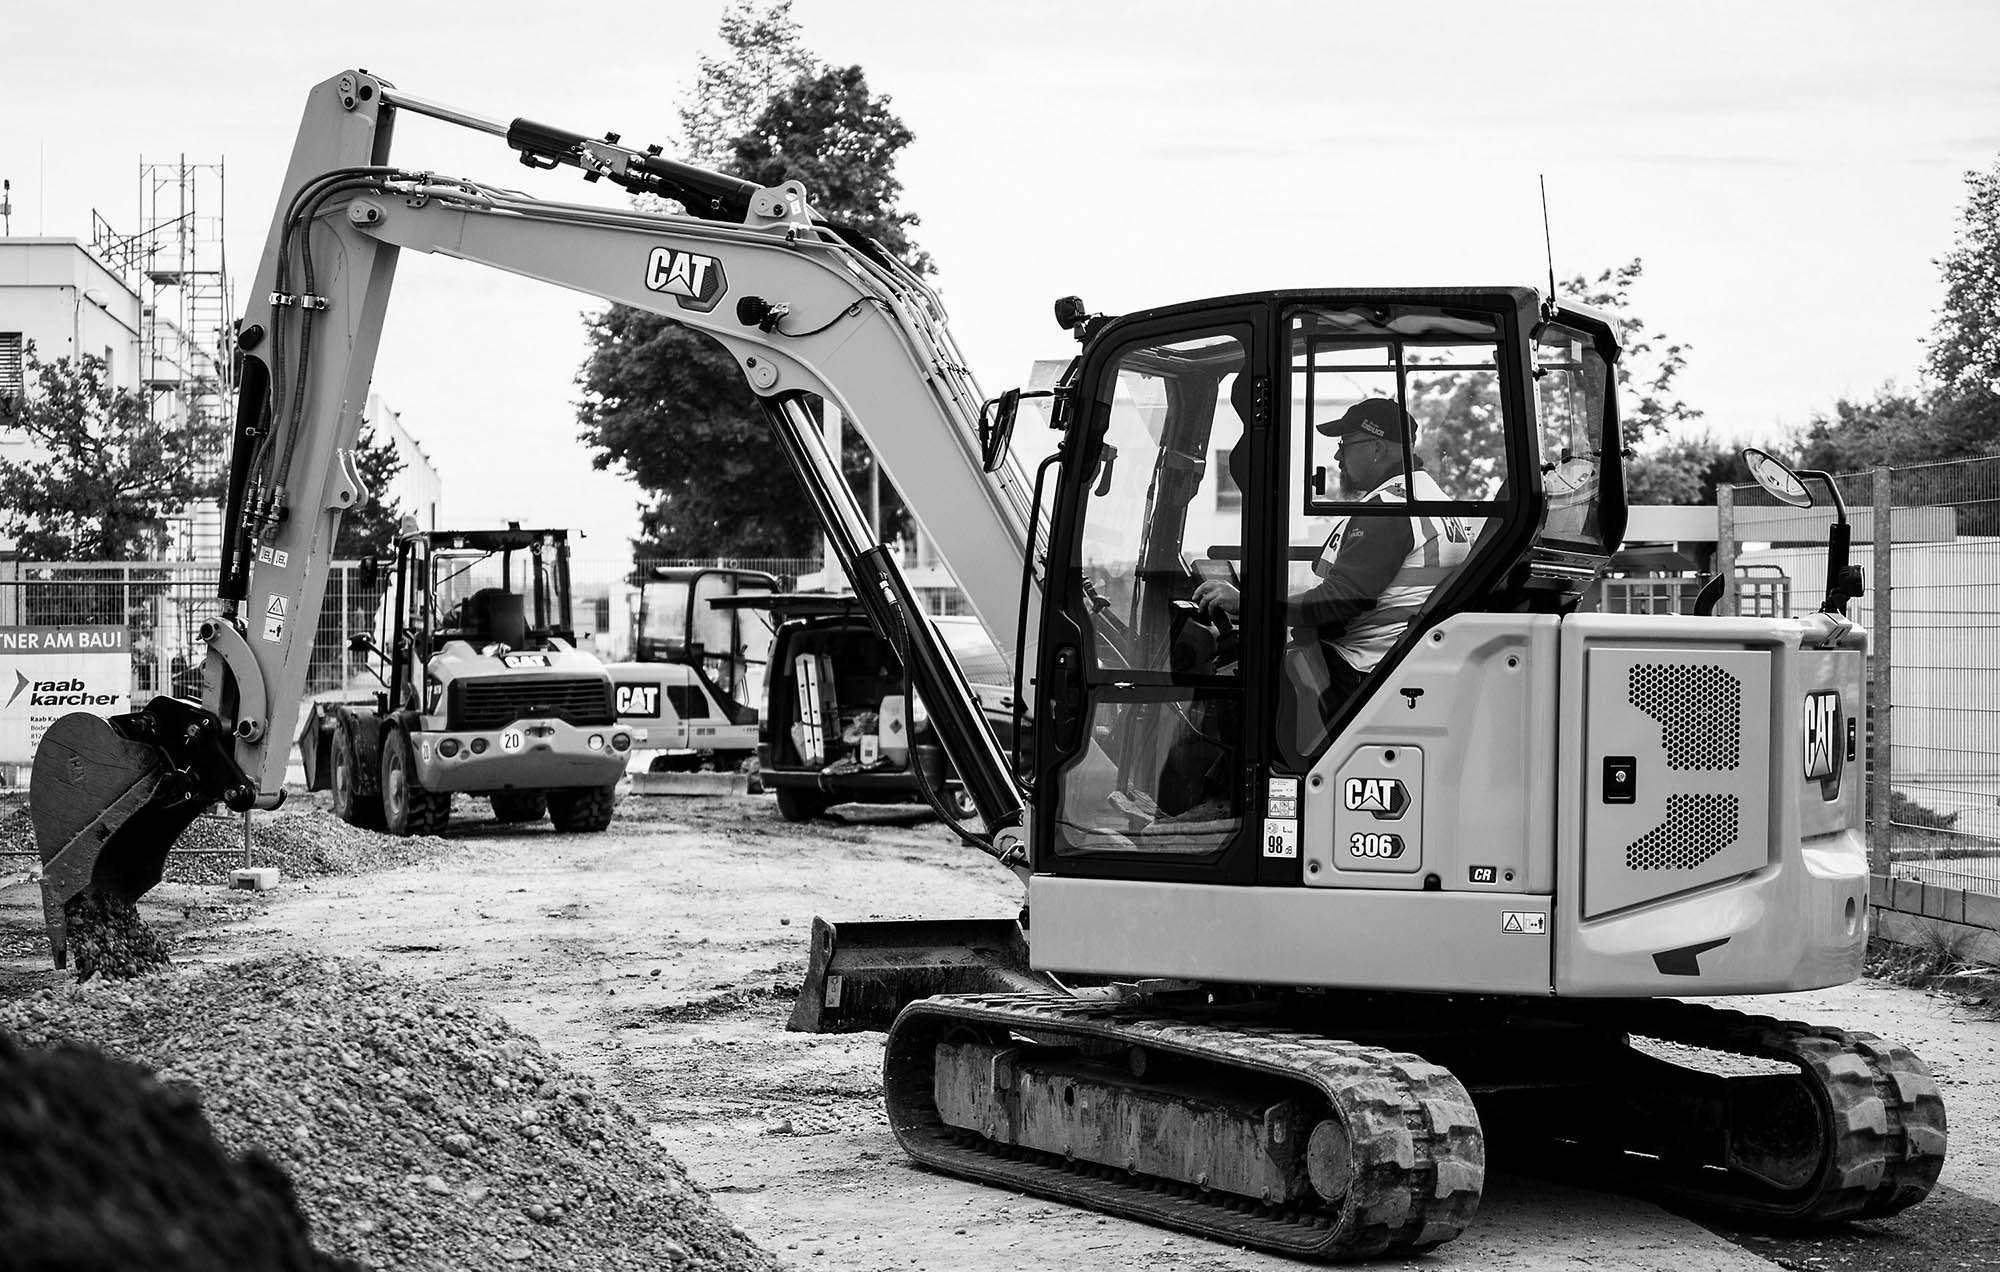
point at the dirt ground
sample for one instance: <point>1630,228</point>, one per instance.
<point>661,957</point>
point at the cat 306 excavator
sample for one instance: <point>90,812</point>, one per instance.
<point>1294,960</point>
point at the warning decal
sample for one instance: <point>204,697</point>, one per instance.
<point>1524,922</point>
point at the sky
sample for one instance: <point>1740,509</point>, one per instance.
<point>1789,172</point>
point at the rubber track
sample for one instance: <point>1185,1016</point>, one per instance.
<point>1884,1115</point>
<point>1419,1155</point>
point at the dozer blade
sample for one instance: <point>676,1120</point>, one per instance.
<point>107,808</point>
<point>861,974</point>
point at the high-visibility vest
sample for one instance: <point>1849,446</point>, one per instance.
<point>1438,547</point>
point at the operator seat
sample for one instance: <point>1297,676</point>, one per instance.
<point>495,615</point>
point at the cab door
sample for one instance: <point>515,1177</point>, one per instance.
<point>1144,765</point>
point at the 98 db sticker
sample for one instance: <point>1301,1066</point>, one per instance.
<point>1281,839</point>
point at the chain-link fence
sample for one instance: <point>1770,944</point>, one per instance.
<point>162,604</point>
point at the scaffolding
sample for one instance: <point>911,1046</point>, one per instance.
<point>177,263</point>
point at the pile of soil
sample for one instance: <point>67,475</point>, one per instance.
<point>103,1167</point>
<point>417,1131</point>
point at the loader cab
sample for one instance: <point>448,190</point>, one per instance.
<point>503,591</point>
<point>1218,441</point>
<point>689,615</point>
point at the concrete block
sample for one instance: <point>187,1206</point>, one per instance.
<point>1943,903</point>
<point>709,784</point>
<point>256,879</point>
<point>1975,945</point>
<point>1982,911</point>
<point>1881,890</point>
<point>1908,897</point>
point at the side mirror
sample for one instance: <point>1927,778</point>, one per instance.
<point>1777,477</point>
<point>371,571</point>
<point>996,427</point>
<point>361,643</point>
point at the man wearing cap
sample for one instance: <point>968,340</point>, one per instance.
<point>1376,570</point>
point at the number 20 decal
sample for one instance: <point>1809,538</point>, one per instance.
<point>1381,846</point>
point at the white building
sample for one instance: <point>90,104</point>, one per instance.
<point>418,488</point>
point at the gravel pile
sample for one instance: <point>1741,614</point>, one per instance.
<point>419,1132</point>
<point>301,841</point>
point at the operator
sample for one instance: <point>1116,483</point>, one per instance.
<point>1375,572</point>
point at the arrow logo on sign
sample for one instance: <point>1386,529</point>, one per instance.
<point>21,682</point>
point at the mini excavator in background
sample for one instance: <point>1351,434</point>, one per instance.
<point>1293,961</point>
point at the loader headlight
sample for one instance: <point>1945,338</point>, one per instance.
<point>597,741</point>
<point>479,746</point>
<point>621,741</point>
<point>448,747</point>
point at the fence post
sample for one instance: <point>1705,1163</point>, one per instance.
<point>1881,699</point>
<point>1725,547</point>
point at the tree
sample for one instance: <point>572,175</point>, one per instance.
<point>765,54</point>
<point>105,477</point>
<point>1893,427</point>
<point>1459,414</point>
<point>1956,413</point>
<point>1965,344</point>
<point>668,403</point>
<point>1649,363</point>
<point>369,528</point>
<point>1684,471</point>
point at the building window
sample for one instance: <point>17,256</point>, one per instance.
<point>11,384</point>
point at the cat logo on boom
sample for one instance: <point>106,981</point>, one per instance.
<point>694,281</point>
<point>1383,797</point>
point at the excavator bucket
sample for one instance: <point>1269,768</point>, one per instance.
<point>107,808</point>
<point>860,974</point>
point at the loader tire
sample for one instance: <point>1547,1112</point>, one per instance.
<point>519,806</point>
<point>351,803</point>
<point>797,804</point>
<point>407,808</point>
<point>583,810</point>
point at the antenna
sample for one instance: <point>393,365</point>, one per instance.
<point>7,206</point>
<point>1548,244</point>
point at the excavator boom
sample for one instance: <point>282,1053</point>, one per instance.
<point>809,311</point>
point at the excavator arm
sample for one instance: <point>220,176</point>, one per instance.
<point>807,310</point>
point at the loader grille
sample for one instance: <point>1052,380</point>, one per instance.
<point>493,703</point>
<point>1697,828</point>
<point>1699,710</point>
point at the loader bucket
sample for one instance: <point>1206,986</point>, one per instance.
<point>860,974</point>
<point>107,809</point>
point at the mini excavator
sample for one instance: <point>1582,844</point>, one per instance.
<point>1291,960</point>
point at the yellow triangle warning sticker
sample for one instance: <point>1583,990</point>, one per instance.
<point>1512,923</point>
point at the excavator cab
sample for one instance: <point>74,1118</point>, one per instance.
<point>1207,444</point>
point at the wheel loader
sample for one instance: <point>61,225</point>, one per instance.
<point>697,666</point>
<point>486,694</point>
<point>1301,944</point>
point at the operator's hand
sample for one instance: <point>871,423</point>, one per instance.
<point>1215,596</point>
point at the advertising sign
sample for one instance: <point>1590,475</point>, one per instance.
<point>48,672</point>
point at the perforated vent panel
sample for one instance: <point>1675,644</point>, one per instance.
<point>1699,710</point>
<point>1697,828</point>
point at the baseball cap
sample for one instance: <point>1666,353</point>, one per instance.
<point>1373,417</point>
